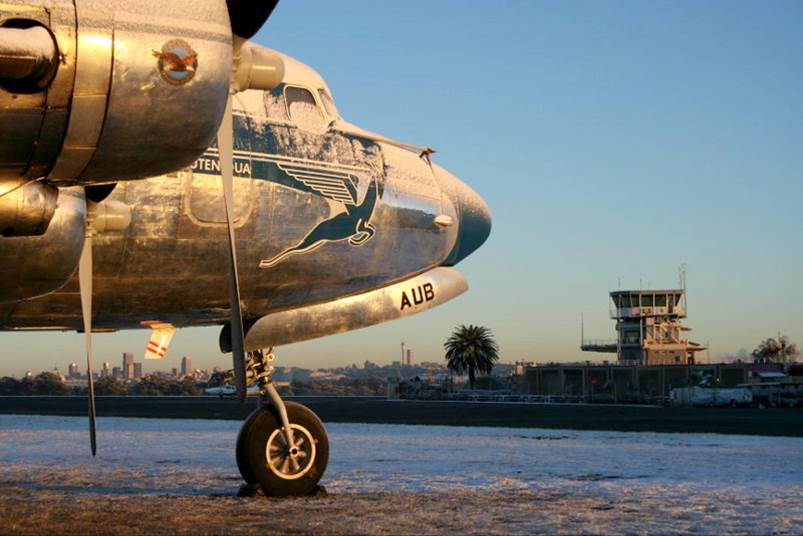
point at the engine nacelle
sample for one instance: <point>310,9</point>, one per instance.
<point>37,265</point>
<point>139,88</point>
<point>26,208</point>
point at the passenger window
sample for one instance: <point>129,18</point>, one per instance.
<point>303,110</point>
<point>328,103</point>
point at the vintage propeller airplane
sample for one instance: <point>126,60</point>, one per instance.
<point>157,154</point>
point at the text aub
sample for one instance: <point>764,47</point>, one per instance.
<point>422,293</point>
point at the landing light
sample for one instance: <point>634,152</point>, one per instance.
<point>444,220</point>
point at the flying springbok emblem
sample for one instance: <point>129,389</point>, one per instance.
<point>338,183</point>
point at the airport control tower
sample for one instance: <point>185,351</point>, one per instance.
<point>649,329</point>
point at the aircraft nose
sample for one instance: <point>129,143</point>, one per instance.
<point>473,215</point>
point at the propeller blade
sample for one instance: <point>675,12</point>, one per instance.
<point>85,285</point>
<point>225,144</point>
<point>248,16</point>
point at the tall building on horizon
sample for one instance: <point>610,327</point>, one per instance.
<point>186,366</point>
<point>72,370</point>
<point>410,360</point>
<point>128,365</point>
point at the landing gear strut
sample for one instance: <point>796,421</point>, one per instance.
<point>282,446</point>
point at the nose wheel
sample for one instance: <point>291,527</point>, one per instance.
<point>283,464</point>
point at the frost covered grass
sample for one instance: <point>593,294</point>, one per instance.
<point>179,476</point>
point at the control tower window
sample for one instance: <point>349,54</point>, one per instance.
<point>328,103</point>
<point>660,300</point>
<point>646,301</point>
<point>303,110</point>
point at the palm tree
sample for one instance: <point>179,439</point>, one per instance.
<point>471,349</point>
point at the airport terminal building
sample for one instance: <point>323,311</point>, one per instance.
<point>626,383</point>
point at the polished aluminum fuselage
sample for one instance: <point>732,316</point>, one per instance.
<point>170,263</point>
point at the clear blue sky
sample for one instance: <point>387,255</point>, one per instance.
<point>611,139</point>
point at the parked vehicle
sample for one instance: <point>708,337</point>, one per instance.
<point>228,391</point>
<point>775,394</point>
<point>711,396</point>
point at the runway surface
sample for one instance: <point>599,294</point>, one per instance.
<point>179,476</point>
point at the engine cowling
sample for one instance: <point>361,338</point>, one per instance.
<point>42,264</point>
<point>138,91</point>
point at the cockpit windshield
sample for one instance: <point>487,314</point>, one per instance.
<point>328,103</point>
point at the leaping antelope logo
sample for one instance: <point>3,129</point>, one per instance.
<point>338,184</point>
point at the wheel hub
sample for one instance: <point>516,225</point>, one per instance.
<point>293,461</point>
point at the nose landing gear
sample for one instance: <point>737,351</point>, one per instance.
<point>282,446</point>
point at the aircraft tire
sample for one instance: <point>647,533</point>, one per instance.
<point>281,476</point>
<point>243,464</point>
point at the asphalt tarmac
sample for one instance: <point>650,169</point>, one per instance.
<point>624,418</point>
<point>179,476</point>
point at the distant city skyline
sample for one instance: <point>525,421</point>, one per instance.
<point>612,140</point>
<point>75,370</point>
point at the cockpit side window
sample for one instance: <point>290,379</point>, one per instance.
<point>303,110</point>
<point>328,103</point>
<point>275,106</point>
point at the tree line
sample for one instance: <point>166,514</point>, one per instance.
<point>50,384</point>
